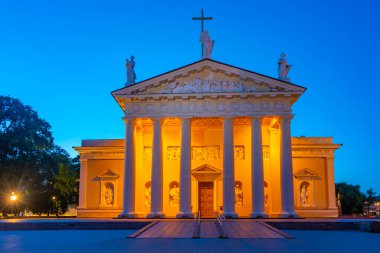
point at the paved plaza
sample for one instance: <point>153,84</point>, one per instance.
<point>107,241</point>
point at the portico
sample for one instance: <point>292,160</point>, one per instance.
<point>213,137</point>
<point>221,148</point>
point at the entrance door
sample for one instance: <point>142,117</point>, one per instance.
<point>206,199</point>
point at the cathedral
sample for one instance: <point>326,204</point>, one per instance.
<point>203,138</point>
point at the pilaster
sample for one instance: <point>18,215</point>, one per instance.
<point>82,183</point>
<point>330,183</point>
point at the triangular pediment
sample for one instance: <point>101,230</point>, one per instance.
<point>108,174</point>
<point>208,77</point>
<point>305,173</point>
<point>205,169</point>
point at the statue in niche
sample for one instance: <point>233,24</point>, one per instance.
<point>304,194</point>
<point>148,193</point>
<point>283,68</point>
<point>266,193</point>
<point>207,43</point>
<point>238,194</point>
<point>174,194</point>
<point>131,75</point>
<point>108,194</point>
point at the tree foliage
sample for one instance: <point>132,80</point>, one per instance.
<point>352,199</point>
<point>371,196</point>
<point>31,165</point>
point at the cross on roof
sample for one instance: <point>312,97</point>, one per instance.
<point>202,18</point>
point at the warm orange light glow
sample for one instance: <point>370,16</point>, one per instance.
<point>53,197</point>
<point>13,197</point>
<point>273,123</point>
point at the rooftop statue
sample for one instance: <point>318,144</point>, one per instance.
<point>207,43</point>
<point>131,75</point>
<point>283,68</point>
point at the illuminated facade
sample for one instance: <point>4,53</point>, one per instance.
<point>208,136</point>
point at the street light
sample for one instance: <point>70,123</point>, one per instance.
<point>13,199</point>
<point>53,198</point>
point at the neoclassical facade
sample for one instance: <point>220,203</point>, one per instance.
<point>208,137</point>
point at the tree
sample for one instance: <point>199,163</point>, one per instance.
<point>22,133</point>
<point>30,163</point>
<point>66,186</point>
<point>371,196</point>
<point>23,138</point>
<point>352,199</point>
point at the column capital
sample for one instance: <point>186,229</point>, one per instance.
<point>228,118</point>
<point>257,118</point>
<point>286,117</point>
<point>185,118</point>
<point>83,160</point>
<point>129,121</point>
<point>158,119</point>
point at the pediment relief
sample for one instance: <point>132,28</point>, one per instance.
<point>208,77</point>
<point>305,173</point>
<point>199,84</point>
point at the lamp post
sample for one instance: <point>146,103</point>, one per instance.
<point>13,199</point>
<point>53,198</point>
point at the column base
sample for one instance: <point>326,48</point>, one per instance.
<point>129,215</point>
<point>230,215</point>
<point>289,215</point>
<point>185,215</point>
<point>259,215</point>
<point>157,215</point>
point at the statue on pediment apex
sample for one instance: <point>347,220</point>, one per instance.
<point>208,44</point>
<point>131,75</point>
<point>283,68</point>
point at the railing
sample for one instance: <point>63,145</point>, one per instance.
<point>219,223</point>
<point>197,225</point>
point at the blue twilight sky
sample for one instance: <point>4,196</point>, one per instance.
<point>64,57</point>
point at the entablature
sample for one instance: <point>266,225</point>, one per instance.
<point>208,107</point>
<point>99,153</point>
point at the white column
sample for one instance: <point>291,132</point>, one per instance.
<point>82,183</point>
<point>228,169</point>
<point>257,171</point>
<point>157,170</point>
<point>185,173</point>
<point>286,167</point>
<point>129,170</point>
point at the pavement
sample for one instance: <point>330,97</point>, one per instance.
<point>112,241</point>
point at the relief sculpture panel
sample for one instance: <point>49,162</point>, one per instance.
<point>173,152</point>
<point>205,153</point>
